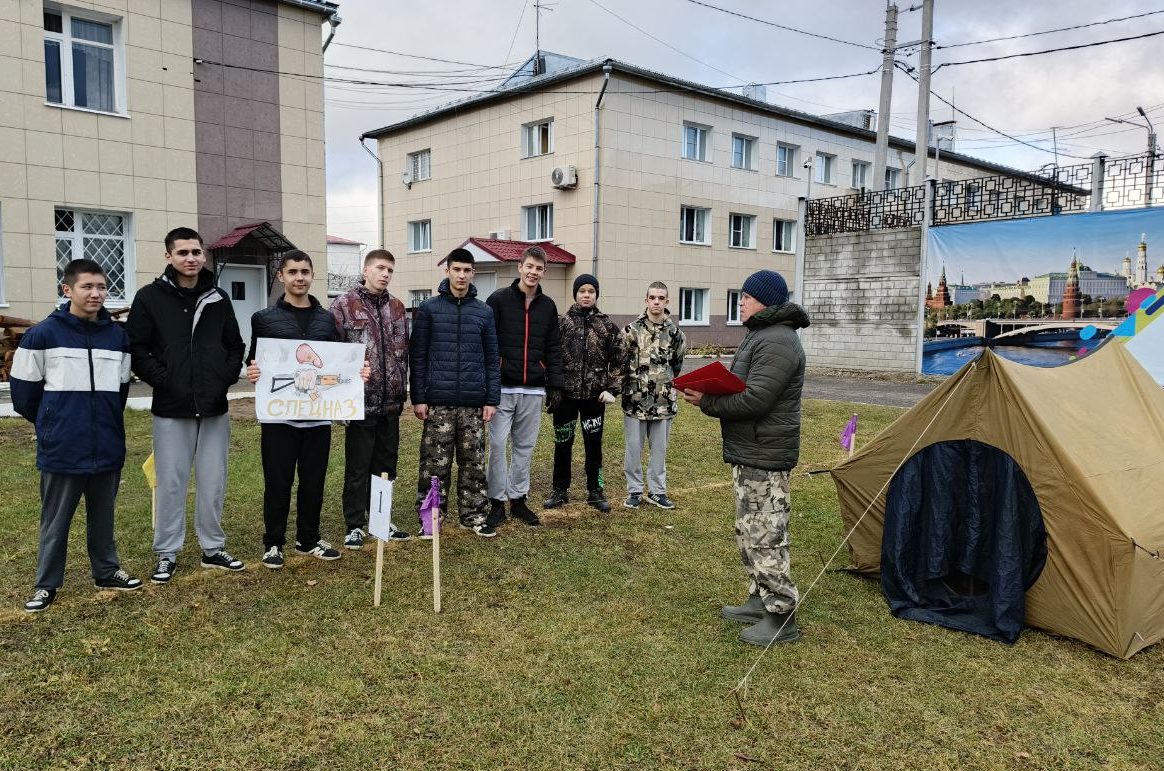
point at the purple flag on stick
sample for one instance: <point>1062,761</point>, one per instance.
<point>430,510</point>
<point>849,432</point>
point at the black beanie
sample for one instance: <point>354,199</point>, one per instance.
<point>582,280</point>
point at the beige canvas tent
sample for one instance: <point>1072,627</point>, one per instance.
<point>1089,438</point>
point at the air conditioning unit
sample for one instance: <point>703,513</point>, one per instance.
<point>499,235</point>
<point>406,178</point>
<point>564,177</point>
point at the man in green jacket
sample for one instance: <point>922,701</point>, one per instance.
<point>761,441</point>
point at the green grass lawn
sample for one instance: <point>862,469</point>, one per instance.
<point>591,643</point>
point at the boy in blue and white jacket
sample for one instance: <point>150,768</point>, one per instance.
<point>70,377</point>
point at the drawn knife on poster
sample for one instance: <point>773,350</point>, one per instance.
<point>309,381</point>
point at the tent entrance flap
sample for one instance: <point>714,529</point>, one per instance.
<point>963,540</point>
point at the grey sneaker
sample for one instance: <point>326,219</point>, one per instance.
<point>273,558</point>
<point>320,550</point>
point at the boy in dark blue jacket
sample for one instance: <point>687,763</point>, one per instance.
<point>70,377</point>
<point>456,386</point>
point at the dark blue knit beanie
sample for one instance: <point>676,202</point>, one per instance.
<point>767,286</point>
<point>583,280</point>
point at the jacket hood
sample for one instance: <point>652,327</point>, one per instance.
<point>444,289</point>
<point>788,314</point>
<point>580,312</point>
<point>63,315</point>
<point>646,318</point>
<point>516,286</point>
<point>311,299</point>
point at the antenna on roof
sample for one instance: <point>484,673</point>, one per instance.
<point>539,6</point>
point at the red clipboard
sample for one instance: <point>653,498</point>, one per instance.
<point>714,379</point>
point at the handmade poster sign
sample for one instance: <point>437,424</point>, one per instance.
<point>309,380</point>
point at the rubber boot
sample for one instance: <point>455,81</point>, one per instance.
<point>772,628</point>
<point>749,613</point>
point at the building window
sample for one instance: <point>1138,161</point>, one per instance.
<point>783,235</point>
<point>693,225</point>
<point>537,138</point>
<point>695,141</point>
<point>417,296</point>
<point>743,152</point>
<point>82,60</point>
<point>973,197</point>
<point>538,222</point>
<point>785,160</point>
<point>692,306</point>
<point>892,178</point>
<point>420,165</point>
<point>860,175</point>
<point>825,168</point>
<point>420,236</point>
<point>733,306</point>
<point>742,231</point>
<point>98,236</point>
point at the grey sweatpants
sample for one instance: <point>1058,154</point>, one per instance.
<point>635,433</point>
<point>178,443</point>
<point>59,496</point>
<point>517,421</point>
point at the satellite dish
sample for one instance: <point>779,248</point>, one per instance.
<point>406,179</point>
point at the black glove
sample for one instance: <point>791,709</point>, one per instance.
<point>553,399</point>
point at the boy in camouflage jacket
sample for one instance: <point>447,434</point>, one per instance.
<point>656,347</point>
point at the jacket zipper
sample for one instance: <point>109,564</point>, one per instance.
<point>457,401</point>
<point>92,395</point>
<point>383,355</point>
<point>193,325</point>
<point>585,370</point>
<point>525,345</point>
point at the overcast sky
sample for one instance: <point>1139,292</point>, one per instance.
<point>1024,97</point>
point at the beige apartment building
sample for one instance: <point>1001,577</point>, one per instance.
<point>638,175</point>
<point>122,119</point>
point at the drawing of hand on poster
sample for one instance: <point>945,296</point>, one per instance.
<point>309,380</point>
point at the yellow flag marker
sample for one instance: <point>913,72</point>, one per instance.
<point>151,476</point>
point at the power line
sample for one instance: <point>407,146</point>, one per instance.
<point>418,56</point>
<point>1049,31</point>
<point>782,26</point>
<point>524,4</point>
<point>1049,50</point>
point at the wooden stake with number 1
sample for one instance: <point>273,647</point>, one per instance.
<point>379,564</point>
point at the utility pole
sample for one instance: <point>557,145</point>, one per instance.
<point>922,147</point>
<point>883,113</point>
<point>1150,171</point>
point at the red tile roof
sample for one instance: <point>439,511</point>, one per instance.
<point>340,240</point>
<point>261,231</point>
<point>510,251</point>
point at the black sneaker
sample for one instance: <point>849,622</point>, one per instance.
<point>355,538</point>
<point>120,581</point>
<point>519,509</point>
<point>483,529</point>
<point>41,599</point>
<point>597,499</point>
<point>273,558</point>
<point>557,499</point>
<point>222,560</point>
<point>164,571</point>
<point>633,501</point>
<point>321,550</point>
<point>396,534</point>
<point>496,513</point>
<point>661,500</point>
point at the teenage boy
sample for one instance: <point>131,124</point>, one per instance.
<point>761,441</point>
<point>656,348</point>
<point>531,362</point>
<point>290,444</point>
<point>455,387</point>
<point>185,342</point>
<point>368,315</point>
<point>70,377</point>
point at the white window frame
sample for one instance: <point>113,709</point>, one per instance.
<point>786,159</point>
<point>420,236</point>
<point>892,178</point>
<point>784,236</point>
<point>825,168</point>
<point>417,296</point>
<point>689,320</point>
<point>420,165</point>
<point>860,174</point>
<point>701,219</point>
<point>532,145</point>
<point>741,231</point>
<point>702,140</point>
<point>732,317</point>
<point>541,216</point>
<point>65,40</point>
<point>77,240</point>
<point>746,154</point>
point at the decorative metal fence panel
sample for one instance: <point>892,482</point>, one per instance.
<point>867,210</point>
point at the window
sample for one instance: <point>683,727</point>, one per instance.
<point>733,306</point>
<point>892,178</point>
<point>785,160</point>
<point>860,174</point>
<point>742,231</point>
<point>693,306</point>
<point>538,222</point>
<point>98,236</point>
<point>537,138</point>
<point>783,235</point>
<point>420,165</point>
<point>825,167</point>
<point>82,60</point>
<point>693,225</point>
<point>695,142</point>
<point>420,236</point>
<point>417,296</point>
<point>743,152</point>
<point>949,192</point>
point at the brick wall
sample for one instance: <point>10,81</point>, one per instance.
<point>861,293</point>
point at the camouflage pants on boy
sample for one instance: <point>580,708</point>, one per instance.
<point>459,432</point>
<point>763,505</point>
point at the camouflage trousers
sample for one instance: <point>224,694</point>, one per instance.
<point>763,505</point>
<point>459,432</point>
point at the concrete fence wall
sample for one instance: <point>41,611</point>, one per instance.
<point>861,293</point>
